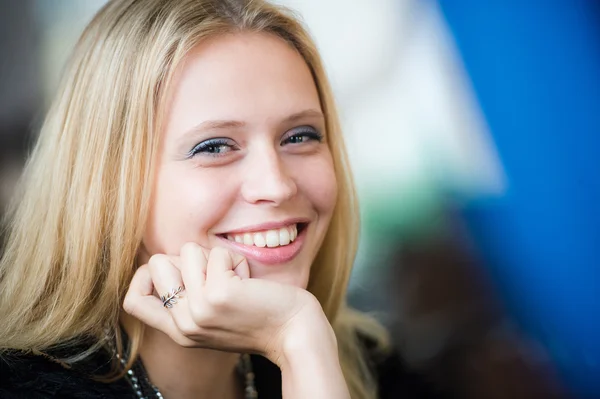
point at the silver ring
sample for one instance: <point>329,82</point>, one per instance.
<point>170,298</point>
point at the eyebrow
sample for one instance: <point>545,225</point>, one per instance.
<point>233,124</point>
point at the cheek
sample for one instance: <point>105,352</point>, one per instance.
<point>319,184</point>
<point>185,205</point>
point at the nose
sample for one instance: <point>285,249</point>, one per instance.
<point>266,179</point>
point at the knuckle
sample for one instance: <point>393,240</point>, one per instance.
<point>200,315</point>
<point>157,259</point>
<point>190,247</point>
<point>188,329</point>
<point>219,253</point>
<point>218,298</point>
<point>189,335</point>
<point>130,305</point>
<point>142,269</point>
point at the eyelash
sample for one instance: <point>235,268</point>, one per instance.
<point>204,147</point>
<point>304,132</point>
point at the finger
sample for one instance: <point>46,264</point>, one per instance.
<point>164,272</point>
<point>175,261</point>
<point>144,306</point>
<point>240,265</point>
<point>226,263</point>
<point>141,303</point>
<point>220,264</point>
<point>169,285</point>
<point>193,269</point>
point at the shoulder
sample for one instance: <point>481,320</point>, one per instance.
<point>32,376</point>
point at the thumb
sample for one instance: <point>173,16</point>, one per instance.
<point>240,265</point>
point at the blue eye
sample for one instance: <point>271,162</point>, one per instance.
<point>213,147</point>
<point>302,135</point>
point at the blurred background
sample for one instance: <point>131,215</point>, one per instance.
<point>474,131</point>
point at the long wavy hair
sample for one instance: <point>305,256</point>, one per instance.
<point>77,220</point>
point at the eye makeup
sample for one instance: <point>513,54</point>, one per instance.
<point>213,147</point>
<point>301,135</point>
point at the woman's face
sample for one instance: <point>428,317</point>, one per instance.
<point>243,161</point>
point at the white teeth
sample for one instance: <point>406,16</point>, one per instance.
<point>293,233</point>
<point>270,238</point>
<point>284,237</point>
<point>259,240</point>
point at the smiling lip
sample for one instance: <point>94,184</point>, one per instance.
<point>266,226</point>
<point>266,255</point>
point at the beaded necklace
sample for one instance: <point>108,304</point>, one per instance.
<point>144,389</point>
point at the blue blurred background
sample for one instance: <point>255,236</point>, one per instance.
<point>535,67</point>
<point>473,130</point>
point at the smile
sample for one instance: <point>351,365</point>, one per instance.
<point>268,238</point>
<point>268,244</point>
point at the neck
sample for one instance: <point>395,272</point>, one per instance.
<point>180,372</point>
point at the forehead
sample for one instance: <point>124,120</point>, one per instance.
<point>254,77</point>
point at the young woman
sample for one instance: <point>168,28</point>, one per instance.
<point>188,201</point>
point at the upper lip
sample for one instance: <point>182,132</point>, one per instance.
<point>266,226</point>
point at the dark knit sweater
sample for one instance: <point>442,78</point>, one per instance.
<point>33,376</point>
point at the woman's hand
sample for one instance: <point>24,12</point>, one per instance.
<point>222,308</point>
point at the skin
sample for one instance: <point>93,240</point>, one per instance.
<point>263,178</point>
<point>271,167</point>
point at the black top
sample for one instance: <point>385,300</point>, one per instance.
<point>28,376</point>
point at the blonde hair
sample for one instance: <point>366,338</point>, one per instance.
<point>79,214</point>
